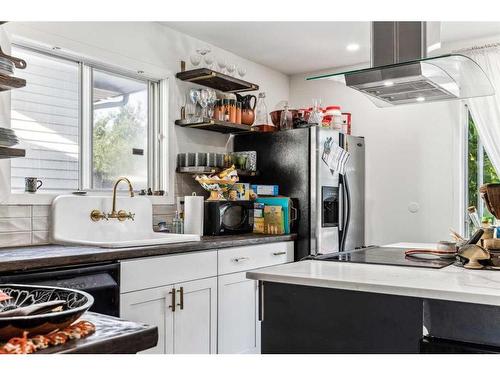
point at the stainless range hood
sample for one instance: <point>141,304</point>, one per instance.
<point>401,72</point>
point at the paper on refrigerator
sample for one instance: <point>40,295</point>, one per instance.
<point>334,156</point>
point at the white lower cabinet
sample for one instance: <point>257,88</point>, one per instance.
<point>151,306</point>
<point>238,323</point>
<point>202,303</point>
<point>195,323</point>
<point>189,328</point>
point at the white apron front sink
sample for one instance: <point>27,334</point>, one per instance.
<point>71,223</point>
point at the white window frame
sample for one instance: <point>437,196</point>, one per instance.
<point>158,140</point>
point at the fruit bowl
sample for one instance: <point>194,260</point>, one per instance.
<point>76,303</point>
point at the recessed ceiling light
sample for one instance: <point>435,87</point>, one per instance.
<point>420,99</point>
<point>389,83</point>
<point>352,47</point>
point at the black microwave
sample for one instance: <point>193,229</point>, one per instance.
<point>227,217</point>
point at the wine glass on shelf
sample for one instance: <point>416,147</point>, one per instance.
<point>203,51</point>
<point>209,60</point>
<point>242,71</point>
<point>221,63</point>
<point>230,69</point>
<point>194,96</point>
<point>195,60</point>
<point>203,101</point>
<point>212,98</point>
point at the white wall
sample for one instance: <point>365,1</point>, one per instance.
<point>410,157</point>
<point>157,50</point>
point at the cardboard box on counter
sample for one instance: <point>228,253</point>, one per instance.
<point>274,220</point>
<point>272,190</point>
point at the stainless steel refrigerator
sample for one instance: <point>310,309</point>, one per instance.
<point>331,206</point>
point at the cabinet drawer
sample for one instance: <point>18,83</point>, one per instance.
<point>245,258</point>
<point>164,270</point>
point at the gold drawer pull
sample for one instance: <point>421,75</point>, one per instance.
<point>279,253</point>
<point>181,302</point>
<point>172,306</point>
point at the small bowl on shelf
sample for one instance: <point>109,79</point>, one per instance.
<point>76,304</point>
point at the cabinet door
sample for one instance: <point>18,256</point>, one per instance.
<point>195,324</point>
<point>238,325</point>
<point>151,306</point>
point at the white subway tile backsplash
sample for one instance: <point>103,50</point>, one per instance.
<point>25,225</point>
<point>15,239</point>
<point>17,224</point>
<point>15,211</point>
<point>40,237</point>
<point>41,223</point>
<point>41,210</point>
<point>164,209</point>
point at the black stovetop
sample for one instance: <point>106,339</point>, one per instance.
<point>393,256</point>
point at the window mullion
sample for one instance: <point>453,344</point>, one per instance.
<point>86,128</point>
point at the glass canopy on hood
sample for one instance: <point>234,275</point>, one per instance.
<point>445,77</point>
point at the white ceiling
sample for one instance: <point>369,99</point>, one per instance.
<point>298,47</point>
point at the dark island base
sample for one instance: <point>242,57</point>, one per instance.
<point>302,320</point>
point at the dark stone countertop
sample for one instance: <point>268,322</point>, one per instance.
<point>112,336</point>
<point>45,256</point>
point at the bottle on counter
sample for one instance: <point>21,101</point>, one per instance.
<point>177,224</point>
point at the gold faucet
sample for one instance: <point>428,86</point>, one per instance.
<point>121,215</point>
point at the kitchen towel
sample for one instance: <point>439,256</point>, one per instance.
<point>334,156</point>
<point>193,214</point>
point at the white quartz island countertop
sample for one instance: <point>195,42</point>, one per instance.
<point>450,283</point>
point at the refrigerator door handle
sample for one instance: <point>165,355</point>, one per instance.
<point>346,215</point>
<point>341,208</point>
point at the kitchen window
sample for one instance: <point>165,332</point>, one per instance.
<point>480,171</point>
<point>84,125</point>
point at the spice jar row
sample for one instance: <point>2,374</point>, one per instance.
<point>228,110</point>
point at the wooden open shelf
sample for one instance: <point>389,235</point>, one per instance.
<point>214,125</point>
<point>216,80</point>
<point>207,170</point>
<point>9,152</point>
<point>9,82</point>
<point>211,170</point>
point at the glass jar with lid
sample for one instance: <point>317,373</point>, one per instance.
<point>334,115</point>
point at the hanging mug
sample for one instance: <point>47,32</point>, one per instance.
<point>32,184</point>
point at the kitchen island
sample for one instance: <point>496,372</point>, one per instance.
<point>334,307</point>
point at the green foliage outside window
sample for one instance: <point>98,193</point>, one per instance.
<point>489,172</point>
<point>114,136</point>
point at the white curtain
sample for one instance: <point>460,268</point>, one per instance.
<point>485,111</point>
